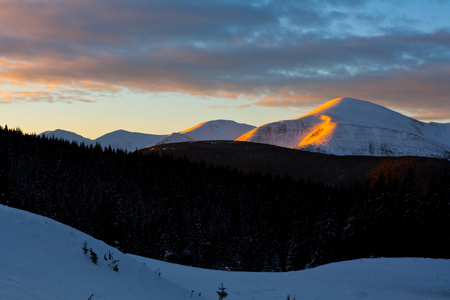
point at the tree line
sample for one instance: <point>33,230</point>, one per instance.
<point>195,214</point>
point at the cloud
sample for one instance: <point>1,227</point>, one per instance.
<point>8,97</point>
<point>274,53</point>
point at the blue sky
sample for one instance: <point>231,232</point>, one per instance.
<point>160,66</point>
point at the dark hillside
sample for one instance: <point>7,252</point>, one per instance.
<point>302,165</point>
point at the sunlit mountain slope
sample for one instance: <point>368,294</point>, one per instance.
<point>208,131</point>
<point>347,126</point>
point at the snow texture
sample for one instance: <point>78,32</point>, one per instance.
<point>43,259</point>
<point>347,126</point>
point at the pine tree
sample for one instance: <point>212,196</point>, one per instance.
<point>221,292</point>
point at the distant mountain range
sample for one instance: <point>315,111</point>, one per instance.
<point>131,141</point>
<point>343,126</point>
<point>119,139</point>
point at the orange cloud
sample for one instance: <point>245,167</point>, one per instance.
<point>218,49</point>
<point>39,96</point>
<point>287,98</point>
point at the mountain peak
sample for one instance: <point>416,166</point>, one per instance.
<point>207,131</point>
<point>351,109</point>
<point>347,126</point>
<point>66,135</point>
<point>341,102</point>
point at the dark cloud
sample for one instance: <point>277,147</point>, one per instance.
<point>280,53</point>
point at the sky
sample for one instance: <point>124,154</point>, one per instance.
<point>161,66</point>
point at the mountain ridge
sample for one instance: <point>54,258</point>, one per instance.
<point>118,139</point>
<point>334,170</point>
<point>131,141</point>
<point>342,126</point>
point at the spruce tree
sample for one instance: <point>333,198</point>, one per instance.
<point>221,292</point>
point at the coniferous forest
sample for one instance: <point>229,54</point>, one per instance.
<point>196,214</point>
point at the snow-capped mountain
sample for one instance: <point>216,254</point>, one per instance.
<point>119,139</point>
<point>346,126</point>
<point>43,259</point>
<point>68,136</point>
<point>130,141</point>
<point>208,131</point>
<point>343,126</point>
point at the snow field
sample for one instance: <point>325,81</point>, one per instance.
<point>43,259</point>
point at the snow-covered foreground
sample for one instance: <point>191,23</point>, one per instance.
<point>383,278</point>
<point>43,259</point>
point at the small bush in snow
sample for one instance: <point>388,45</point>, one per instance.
<point>114,262</point>
<point>115,267</point>
<point>85,248</point>
<point>94,256</point>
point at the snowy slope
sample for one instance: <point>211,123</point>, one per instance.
<point>43,259</point>
<point>119,139</point>
<point>347,126</point>
<point>381,279</point>
<point>208,131</point>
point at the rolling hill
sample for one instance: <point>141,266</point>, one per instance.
<point>43,259</point>
<point>303,165</point>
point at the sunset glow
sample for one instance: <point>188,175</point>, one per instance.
<point>161,67</point>
<point>320,134</point>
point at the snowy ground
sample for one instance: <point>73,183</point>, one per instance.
<point>43,259</point>
<point>385,278</point>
